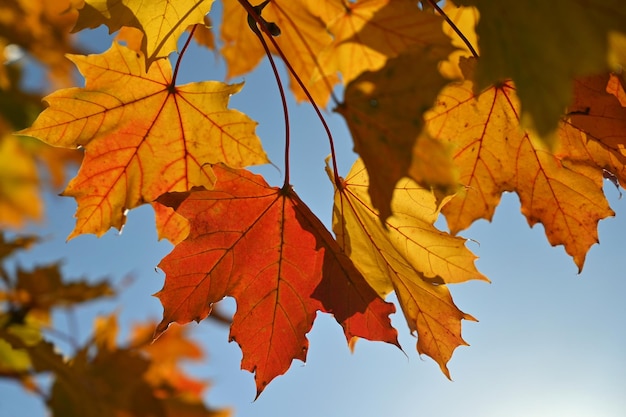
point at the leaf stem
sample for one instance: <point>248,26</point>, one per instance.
<point>180,56</point>
<point>252,12</point>
<point>262,24</point>
<point>454,27</point>
<point>311,54</point>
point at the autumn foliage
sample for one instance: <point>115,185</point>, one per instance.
<point>448,107</point>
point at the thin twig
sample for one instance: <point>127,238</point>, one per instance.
<point>250,9</point>
<point>454,28</point>
<point>259,22</point>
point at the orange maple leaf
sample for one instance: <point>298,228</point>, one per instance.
<point>264,247</point>
<point>495,154</point>
<point>142,135</point>
<point>593,133</point>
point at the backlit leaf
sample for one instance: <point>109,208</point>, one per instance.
<point>162,21</point>
<point>407,255</point>
<point>303,37</point>
<point>369,32</point>
<point>142,136</point>
<point>495,154</point>
<point>263,246</point>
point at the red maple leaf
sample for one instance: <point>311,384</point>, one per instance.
<point>264,247</point>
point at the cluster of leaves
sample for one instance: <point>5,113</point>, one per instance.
<point>448,108</point>
<point>101,377</point>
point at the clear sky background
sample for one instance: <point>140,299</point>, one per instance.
<point>549,341</point>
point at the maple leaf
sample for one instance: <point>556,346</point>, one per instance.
<point>407,255</point>
<point>303,37</point>
<point>104,379</point>
<point>369,32</point>
<point>162,21</point>
<point>495,154</point>
<point>541,68</point>
<point>264,247</point>
<point>384,111</point>
<point>142,135</point>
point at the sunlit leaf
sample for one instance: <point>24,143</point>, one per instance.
<point>262,246</point>
<point>495,154</point>
<point>593,133</point>
<point>142,135</point>
<point>303,37</point>
<point>407,255</point>
<point>369,32</point>
<point>162,21</point>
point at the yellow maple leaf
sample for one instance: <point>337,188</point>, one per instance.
<point>495,154</point>
<point>464,19</point>
<point>142,135</point>
<point>407,255</point>
<point>133,37</point>
<point>303,37</point>
<point>369,32</point>
<point>170,225</point>
<point>162,21</point>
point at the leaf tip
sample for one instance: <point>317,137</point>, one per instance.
<point>160,329</point>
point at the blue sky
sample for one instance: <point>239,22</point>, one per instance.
<point>549,341</point>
